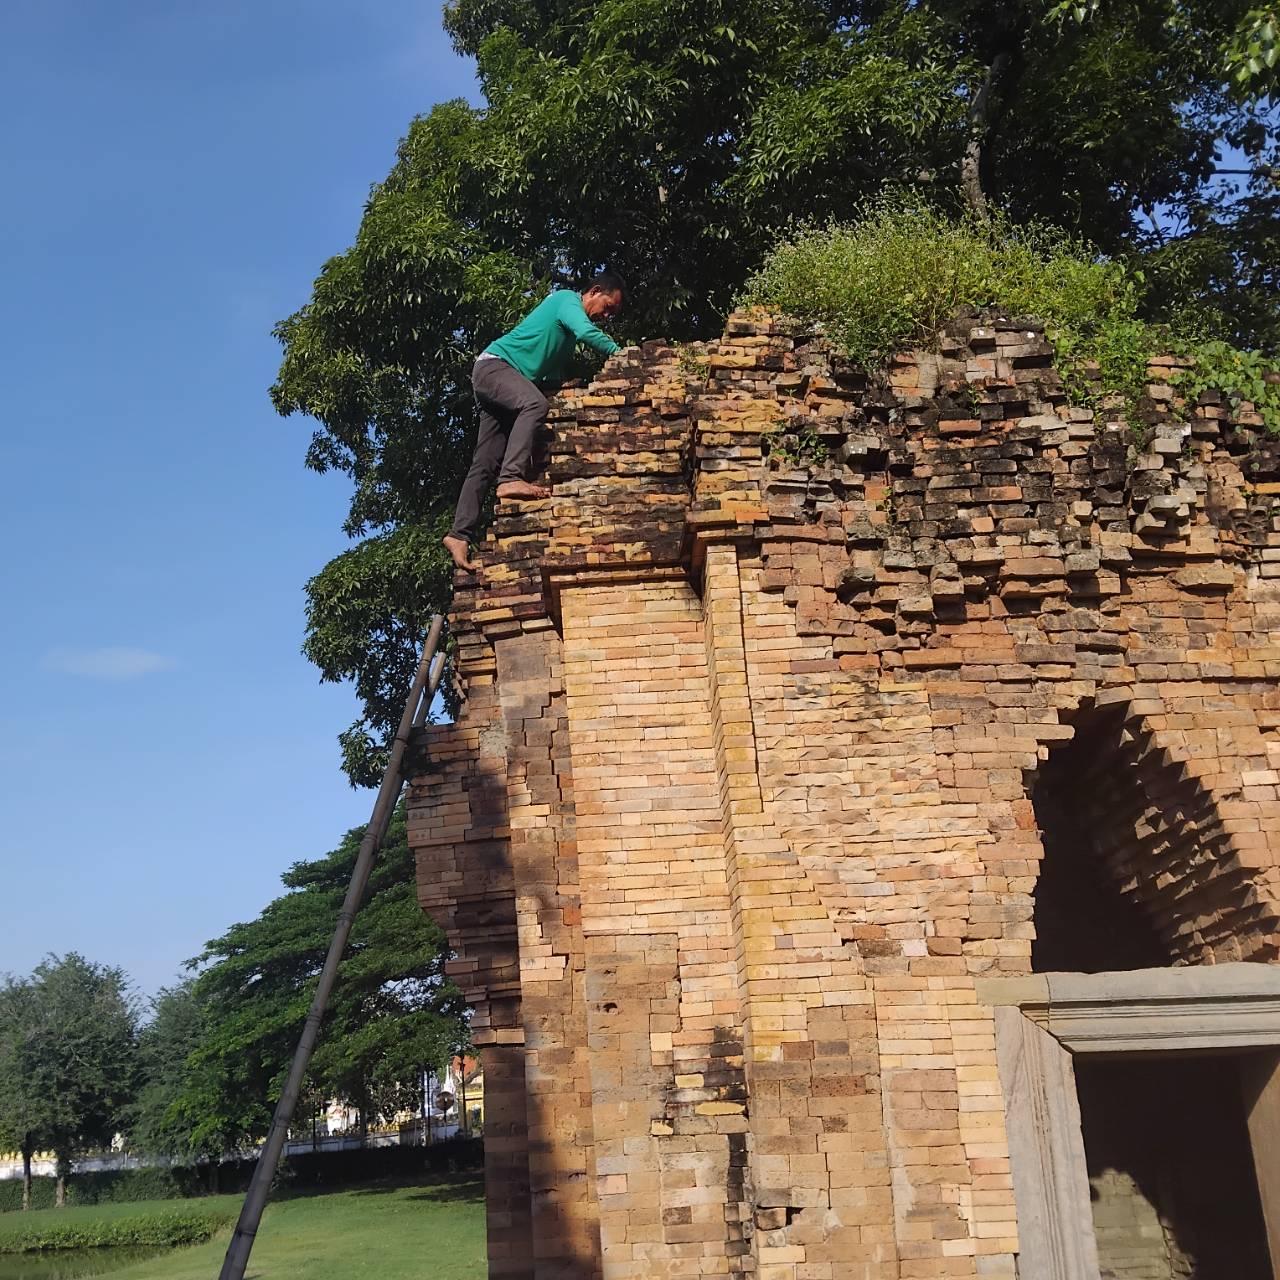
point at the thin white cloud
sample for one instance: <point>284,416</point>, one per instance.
<point>109,663</point>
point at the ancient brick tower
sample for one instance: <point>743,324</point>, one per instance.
<point>850,775</point>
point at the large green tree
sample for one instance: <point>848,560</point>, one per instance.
<point>26,1113</point>
<point>392,1012</point>
<point>68,1044</point>
<point>673,140</point>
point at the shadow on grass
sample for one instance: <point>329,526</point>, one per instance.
<point>472,1194</point>
<point>443,1191</point>
<point>452,1191</point>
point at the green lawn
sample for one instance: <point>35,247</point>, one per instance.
<point>433,1232</point>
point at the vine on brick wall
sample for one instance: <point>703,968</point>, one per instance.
<point>1244,377</point>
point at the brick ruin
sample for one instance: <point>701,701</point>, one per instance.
<point>807,705</point>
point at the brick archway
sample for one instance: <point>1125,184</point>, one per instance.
<point>1134,839</point>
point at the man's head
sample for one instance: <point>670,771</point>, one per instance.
<point>603,298</point>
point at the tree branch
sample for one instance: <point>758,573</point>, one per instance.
<point>979,117</point>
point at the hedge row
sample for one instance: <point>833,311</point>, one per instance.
<point>318,1169</point>
<point>113,1186</point>
<point>186,1225</point>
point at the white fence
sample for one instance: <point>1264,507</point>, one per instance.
<point>440,1132</point>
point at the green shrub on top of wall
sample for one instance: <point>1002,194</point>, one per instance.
<point>890,280</point>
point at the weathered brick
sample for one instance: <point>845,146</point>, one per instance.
<point>739,804</point>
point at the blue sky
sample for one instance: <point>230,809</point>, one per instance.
<point>175,174</point>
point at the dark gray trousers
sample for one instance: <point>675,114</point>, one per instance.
<point>511,411</point>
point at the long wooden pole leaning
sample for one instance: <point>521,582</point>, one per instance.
<point>421,692</point>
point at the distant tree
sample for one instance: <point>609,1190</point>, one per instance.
<point>166,1046</point>
<point>90,1054</point>
<point>392,1011</point>
<point>675,142</point>
<point>71,1059</point>
<point>26,1111</point>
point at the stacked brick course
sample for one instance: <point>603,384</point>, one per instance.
<point>740,801</point>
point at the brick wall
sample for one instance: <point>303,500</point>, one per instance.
<point>741,799</point>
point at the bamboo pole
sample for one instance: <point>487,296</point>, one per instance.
<point>426,681</point>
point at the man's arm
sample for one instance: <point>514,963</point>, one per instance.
<point>575,319</point>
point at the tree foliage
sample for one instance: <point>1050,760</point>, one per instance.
<point>166,1047</point>
<point>675,141</point>
<point>68,1048</point>
<point>392,1012</point>
<point>25,1113</point>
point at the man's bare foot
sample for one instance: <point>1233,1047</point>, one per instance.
<point>460,550</point>
<point>522,489</point>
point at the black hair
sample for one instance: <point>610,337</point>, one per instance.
<point>609,282</point>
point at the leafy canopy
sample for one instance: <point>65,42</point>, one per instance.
<point>675,141</point>
<point>234,1029</point>
<point>68,1049</point>
<point>165,1048</point>
<point>26,1112</point>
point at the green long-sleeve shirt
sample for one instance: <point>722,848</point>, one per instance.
<point>542,343</point>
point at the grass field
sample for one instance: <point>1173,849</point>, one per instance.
<point>431,1232</point>
<point>394,1233</point>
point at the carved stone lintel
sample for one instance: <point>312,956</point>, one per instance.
<point>1221,1006</point>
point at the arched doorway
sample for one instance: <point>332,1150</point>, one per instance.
<point>1139,869</point>
<point>1088,801</point>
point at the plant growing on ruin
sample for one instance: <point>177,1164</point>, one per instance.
<point>1242,376</point>
<point>692,362</point>
<point>796,447</point>
<point>890,281</point>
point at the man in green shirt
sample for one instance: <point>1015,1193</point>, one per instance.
<point>512,408</point>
